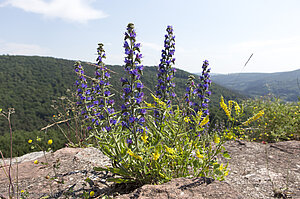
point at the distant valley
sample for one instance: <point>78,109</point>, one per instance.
<point>285,85</point>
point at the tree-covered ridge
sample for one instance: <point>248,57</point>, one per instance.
<point>30,83</point>
<point>285,85</point>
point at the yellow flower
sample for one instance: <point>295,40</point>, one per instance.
<point>155,155</point>
<point>22,191</point>
<point>225,108</point>
<point>138,157</point>
<point>292,134</point>
<point>237,108</point>
<point>170,150</point>
<point>29,141</point>
<point>221,167</point>
<point>199,155</point>
<point>226,173</point>
<point>255,117</point>
<point>199,113</point>
<point>204,121</point>
<point>53,115</point>
<point>144,137</point>
<point>130,153</point>
<point>92,193</point>
<point>36,162</point>
<point>50,141</point>
<point>216,139</point>
<point>149,104</point>
<point>187,119</point>
<point>134,155</point>
<point>38,139</point>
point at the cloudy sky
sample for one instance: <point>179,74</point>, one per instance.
<point>225,32</point>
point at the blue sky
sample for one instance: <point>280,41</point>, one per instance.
<point>225,32</point>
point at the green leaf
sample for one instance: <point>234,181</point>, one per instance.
<point>226,155</point>
<point>119,180</point>
<point>100,169</point>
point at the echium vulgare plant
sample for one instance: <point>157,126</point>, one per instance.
<point>144,153</point>
<point>83,93</point>
<point>103,111</point>
<point>165,87</point>
<point>197,97</point>
<point>200,91</point>
<point>132,113</point>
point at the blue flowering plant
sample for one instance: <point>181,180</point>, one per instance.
<point>165,76</point>
<point>143,149</point>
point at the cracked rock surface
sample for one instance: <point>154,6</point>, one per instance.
<point>256,171</point>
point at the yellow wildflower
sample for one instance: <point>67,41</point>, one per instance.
<point>204,121</point>
<point>130,153</point>
<point>29,141</point>
<point>170,150</point>
<point>226,173</point>
<point>155,155</point>
<point>200,113</point>
<point>216,139</point>
<point>225,108</point>
<point>255,117</point>
<point>221,167</point>
<point>36,162</point>
<point>50,141</point>
<point>92,193</point>
<point>187,119</point>
<point>22,191</point>
<point>134,155</point>
<point>144,137</point>
<point>237,108</point>
<point>53,115</point>
<point>149,105</point>
<point>199,155</point>
<point>138,157</point>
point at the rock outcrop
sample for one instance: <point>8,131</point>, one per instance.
<point>256,171</point>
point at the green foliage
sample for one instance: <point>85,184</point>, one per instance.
<point>166,151</point>
<point>281,120</point>
<point>31,83</point>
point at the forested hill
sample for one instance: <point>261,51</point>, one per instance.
<point>285,85</point>
<point>30,83</point>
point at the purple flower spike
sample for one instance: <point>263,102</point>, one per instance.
<point>165,86</point>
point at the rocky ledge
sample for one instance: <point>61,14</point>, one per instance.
<point>256,171</point>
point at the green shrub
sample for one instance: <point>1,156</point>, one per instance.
<point>281,120</point>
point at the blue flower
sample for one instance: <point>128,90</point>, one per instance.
<point>131,119</point>
<point>129,141</point>
<point>164,88</point>
<point>139,85</point>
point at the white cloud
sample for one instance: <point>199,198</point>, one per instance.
<point>21,49</point>
<point>70,10</point>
